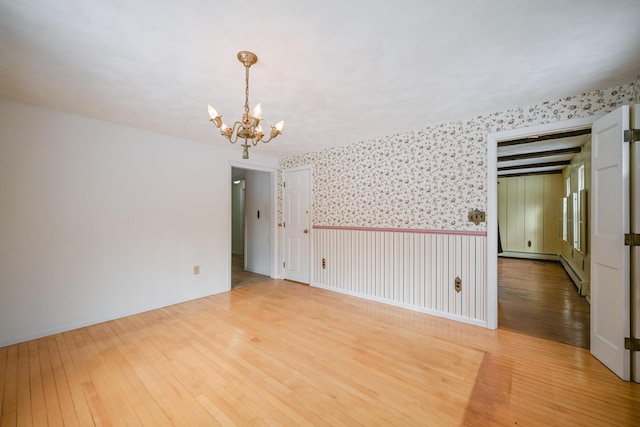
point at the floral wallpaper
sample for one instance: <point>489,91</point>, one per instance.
<point>430,178</point>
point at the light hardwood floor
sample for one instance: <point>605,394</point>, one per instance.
<point>281,353</point>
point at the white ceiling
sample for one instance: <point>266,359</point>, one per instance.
<point>337,71</point>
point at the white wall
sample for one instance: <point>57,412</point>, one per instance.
<point>259,240</point>
<point>528,212</point>
<point>98,221</point>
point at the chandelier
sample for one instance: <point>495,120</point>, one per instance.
<point>249,127</point>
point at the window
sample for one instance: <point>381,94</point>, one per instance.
<point>565,227</point>
<point>578,207</point>
<point>580,177</point>
<point>566,212</point>
<point>576,222</point>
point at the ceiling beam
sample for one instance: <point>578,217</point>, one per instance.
<point>535,165</point>
<point>560,152</point>
<point>529,174</point>
<point>545,137</point>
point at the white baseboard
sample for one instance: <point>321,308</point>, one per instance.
<point>90,322</point>
<point>581,284</point>
<point>449,316</point>
<point>529,255</point>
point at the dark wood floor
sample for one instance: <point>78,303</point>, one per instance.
<point>240,277</point>
<point>538,298</point>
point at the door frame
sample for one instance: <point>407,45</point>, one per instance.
<point>310,208</point>
<point>492,198</point>
<point>273,178</point>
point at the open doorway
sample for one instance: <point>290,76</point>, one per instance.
<point>252,218</point>
<point>543,265</point>
<point>528,246</point>
<point>612,302</point>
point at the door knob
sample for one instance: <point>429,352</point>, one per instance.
<point>306,231</point>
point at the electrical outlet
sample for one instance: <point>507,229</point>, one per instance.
<point>196,270</point>
<point>458,284</point>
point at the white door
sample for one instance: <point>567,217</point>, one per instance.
<point>296,218</point>
<point>610,257</point>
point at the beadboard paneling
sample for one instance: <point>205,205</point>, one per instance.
<point>412,269</point>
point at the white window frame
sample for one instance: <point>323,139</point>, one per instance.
<point>577,206</point>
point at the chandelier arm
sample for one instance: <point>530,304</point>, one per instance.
<point>265,141</point>
<point>271,136</point>
<point>234,132</point>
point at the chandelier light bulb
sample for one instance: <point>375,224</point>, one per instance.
<point>226,130</point>
<point>280,125</point>
<point>258,132</point>
<point>213,113</point>
<point>257,111</point>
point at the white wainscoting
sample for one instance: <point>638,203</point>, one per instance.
<point>415,269</point>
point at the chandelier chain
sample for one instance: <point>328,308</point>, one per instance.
<point>246,91</point>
